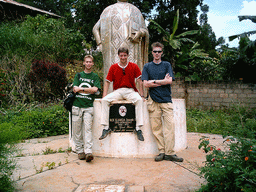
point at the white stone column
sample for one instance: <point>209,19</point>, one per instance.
<point>126,144</point>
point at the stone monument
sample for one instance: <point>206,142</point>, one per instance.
<point>122,25</point>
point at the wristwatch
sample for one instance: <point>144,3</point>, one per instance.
<point>155,81</point>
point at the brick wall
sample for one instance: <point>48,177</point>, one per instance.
<point>214,95</point>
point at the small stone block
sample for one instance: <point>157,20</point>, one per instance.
<point>105,188</point>
<point>135,188</point>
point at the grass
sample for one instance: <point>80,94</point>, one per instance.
<point>233,121</point>
<point>36,120</point>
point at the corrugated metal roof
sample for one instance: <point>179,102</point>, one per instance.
<point>29,7</point>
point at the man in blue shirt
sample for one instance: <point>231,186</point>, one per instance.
<point>158,76</point>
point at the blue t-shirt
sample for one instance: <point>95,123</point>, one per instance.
<point>153,71</point>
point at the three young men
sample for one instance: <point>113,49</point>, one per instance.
<point>157,76</point>
<point>86,84</point>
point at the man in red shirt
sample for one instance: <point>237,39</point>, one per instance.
<point>123,75</point>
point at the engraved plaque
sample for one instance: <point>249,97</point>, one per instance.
<point>122,117</point>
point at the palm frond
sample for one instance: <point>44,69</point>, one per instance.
<point>231,38</point>
<point>192,32</point>
<point>175,24</point>
<point>186,40</point>
<point>175,44</point>
<point>159,28</point>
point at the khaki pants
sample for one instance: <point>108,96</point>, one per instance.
<point>119,94</point>
<point>82,129</point>
<point>162,125</point>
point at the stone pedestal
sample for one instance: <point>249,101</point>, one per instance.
<point>126,144</point>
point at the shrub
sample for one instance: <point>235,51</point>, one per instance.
<point>41,37</point>
<point>233,169</point>
<point>38,121</point>
<point>48,80</point>
<point>3,88</point>
<point>234,121</point>
<point>36,38</point>
<point>9,133</point>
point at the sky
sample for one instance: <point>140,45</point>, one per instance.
<point>223,18</point>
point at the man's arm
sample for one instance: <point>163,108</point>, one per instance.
<point>155,83</point>
<point>90,90</point>
<point>105,88</point>
<point>141,92</point>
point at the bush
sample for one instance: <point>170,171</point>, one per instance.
<point>36,38</point>
<point>3,88</point>
<point>41,37</point>
<point>231,170</point>
<point>234,121</point>
<point>9,133</point>
<point>23,122</point>
<point>48,80</point>
<point>38,121</point>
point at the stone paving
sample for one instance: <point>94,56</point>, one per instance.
<point>40,171</point>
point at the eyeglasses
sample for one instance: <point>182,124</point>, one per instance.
<point>157,51</point>
<point>124,71</point>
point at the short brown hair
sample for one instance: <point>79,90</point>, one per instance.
<point>157,44</point>
<point>89,56</point>
<point>123,50</point>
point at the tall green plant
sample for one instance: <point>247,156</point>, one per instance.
<point>9,135</point>
<point>35,38</point>
<point>231,169</point>
<point>175,41</point>
<point>40,37</point>
<point>189,56</point>
<point>245,34</point>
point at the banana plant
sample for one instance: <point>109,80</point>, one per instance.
<point>175,41</point>
<point>253,19</point>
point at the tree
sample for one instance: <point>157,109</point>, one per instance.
<point>62,8</point>
<point>190,61</point>
<point>241,18</point>
<point>207,37</point>
<point>166,11</point>
<point>175,41</point>
<point>245,66</point>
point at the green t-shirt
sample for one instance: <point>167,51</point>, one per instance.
<point>86,80</point>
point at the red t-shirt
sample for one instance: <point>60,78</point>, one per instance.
<point>123,77</point>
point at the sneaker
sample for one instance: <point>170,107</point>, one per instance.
<point>105,133</point>
<point>139,135</point>
<point>160,157</point>
<point>89,157</point>
<point>173,158</point>
<point>81,156</point>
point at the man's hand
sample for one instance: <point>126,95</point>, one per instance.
<point>167,76</point>
<point>150,83</point>
<point>77,89</point>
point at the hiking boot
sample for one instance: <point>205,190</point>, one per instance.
<point>105,133</point>
<point>160,157</point>
<point>81,156</point>
<point>139,135</point>
<point>89,157</point>
<point>173,158</point>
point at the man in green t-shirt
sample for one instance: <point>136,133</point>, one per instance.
<point>86,84</point>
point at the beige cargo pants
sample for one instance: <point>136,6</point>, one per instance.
<point>162,125</point>
<point>82,129</point>
<point>119,94</point>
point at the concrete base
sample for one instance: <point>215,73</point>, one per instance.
<point>127,145</point>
